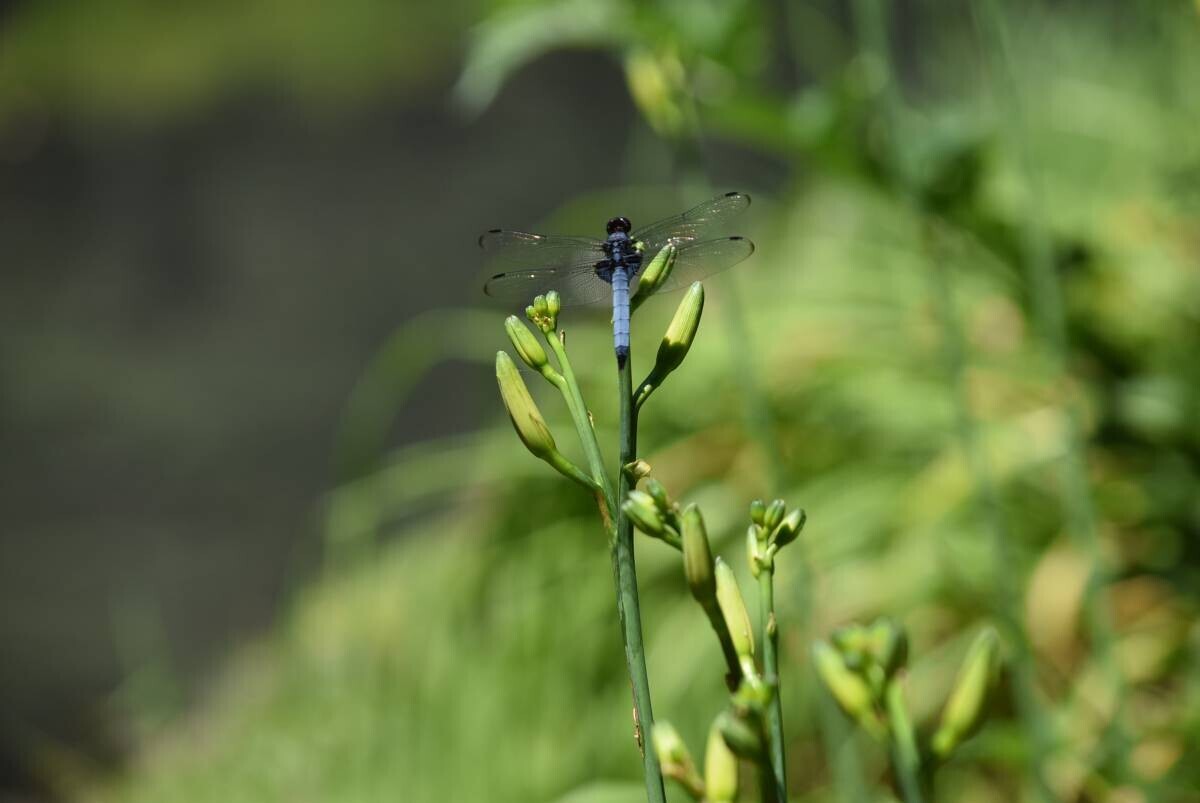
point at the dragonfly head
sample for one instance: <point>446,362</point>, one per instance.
<point>620,224</point>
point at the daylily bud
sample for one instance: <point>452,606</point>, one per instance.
<point>525,416</point>
<point>966,708</point>
<point>542,314</point>
<point>720,768</point>
<point>654,274</point>
<point>680,332</point>
<point>888,645</point>
<point>553,304</point>
<point>758,510</point>
<point>742,738</point>
<point>644,513</point>
<point>774,514</point>
<point>528,348</point>
<point>849,689</point>
<point>697,558</point>
<point>789,528</point>
<point>674,757</point>
<point>754,552</point>
<point>733,608</point>
<point>659,494</point>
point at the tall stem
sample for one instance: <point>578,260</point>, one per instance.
<point>769,638</point>
<point>583,423</point>
<point>628,607</point>
<point>906,758</point>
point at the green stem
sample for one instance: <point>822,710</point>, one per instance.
<point>905,756</point>
<point>769,638</point>
<point>583,424</point>
<point>628,607</point>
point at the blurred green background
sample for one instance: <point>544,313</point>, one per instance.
<point>268,535</point>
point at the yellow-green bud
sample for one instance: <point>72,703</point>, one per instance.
<point>637,470</point>
<point>543,314</point>
<point>528,348</point>
<point>680,332</point>
<point>674,757</point>
<point>644,513</point>
<point>733,609</point>
<point>553,304</point>
<point>789,528</point>
<point>754,553</point>
<point>697,558</point>
<point>654,274</point>
<point>742,738</point>
<point>888,645</point>
<point>659,494</point>
<point>774,514</point>
<point>966,708</point>
<point>758,510</point>
<point>849,689</point>
<point>525,416</point>
<point>720,768</point>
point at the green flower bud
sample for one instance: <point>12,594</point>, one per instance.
<point>528,348</point>
<point>733,608</point>
<point>659,494</point>
<point>742,738</point>
<point>789,528</point>
<point>542,314</point>
<point>525,416</point>
<point>888,645</point>
<point>849,689</point>
<point>720,768</point>
<point>553,304</point>
<point>758,511</point>
<point>674,757</point>
<point>697,558</point>
<point>654,274</point>
<point>754,553</point>
<point>774,515</point>
<point>965,709</point>
<point>644,513</point>
<point>680,332</point>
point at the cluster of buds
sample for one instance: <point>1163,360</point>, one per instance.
<point>719,783</point>
<point>543,312</point>
<point>772,527</point>
<point>653,512</point>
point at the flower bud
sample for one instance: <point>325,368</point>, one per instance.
<point>542,313</point>
<point>525,416</point>
<point>654,274</point>
<point>789,528</point>
<point>553,304</point>
<point>888,645</point>
<point>528,348</point>
<point>637,470</point>
<point>680,332</point>
<point>697,558</point>
<point>758,510</point>
<point>733,609</point>
<point>720,768</point>
<point>674,757</point>
<point>644,513</point>
<point>754,553</point>
<point>965,710</point>
<point>774,515</point>
<point>849,689</point>
<point>659,494</point>
<point>742,738</point>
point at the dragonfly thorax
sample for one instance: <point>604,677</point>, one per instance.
<point>622,251</point>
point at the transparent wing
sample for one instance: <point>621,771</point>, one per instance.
<point>695,260</point>
<point>699,221</point>
<point>508,250</point>
<point>577,284</point>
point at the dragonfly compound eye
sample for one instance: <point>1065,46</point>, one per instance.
<point>619,224</point>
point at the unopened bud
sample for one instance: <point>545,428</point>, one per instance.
<point>966,708</point>
<point>888,645</point>
<point>658,493</point>
<point>637,470</point>
<point>789,528</point>
<point>697,558</point>
<point>774,515</point>
<point>720,768</point>
<point>733,609</point>
<point>754,553</point>
<point>553,304</point>
<point>525,416</point>
<point>674,757</point>
<point>642,511</point>
<point>654,274</point>
<point>542,315</point>
<point>758,510</point>
<point>528,348</point>
<point>848,688</point>
<point>742,738</point>
<point>680,332</point>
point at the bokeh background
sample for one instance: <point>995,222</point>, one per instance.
<point>268,535</point>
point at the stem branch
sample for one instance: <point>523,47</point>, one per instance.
<point>769,638</point>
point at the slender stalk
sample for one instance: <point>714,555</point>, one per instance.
<point>628,607</point>
<point>905,756</point>
<point>769,638</point>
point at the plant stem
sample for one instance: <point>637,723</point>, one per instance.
<point>769,638</point>
<point>628,607</point>
<point>905,757</point>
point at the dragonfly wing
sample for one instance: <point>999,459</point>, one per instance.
<point>693,224</point>
<point>695,260</point>
<point>508,250</point>
<point>576,284</point>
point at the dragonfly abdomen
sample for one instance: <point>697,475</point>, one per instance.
<point>620,286</point>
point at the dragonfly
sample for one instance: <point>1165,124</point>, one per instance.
<point>586,270</point>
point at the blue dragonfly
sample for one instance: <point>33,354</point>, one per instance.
<point>585,270</point>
